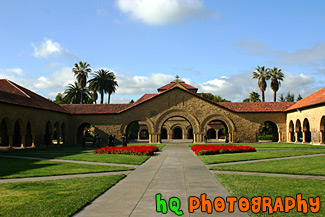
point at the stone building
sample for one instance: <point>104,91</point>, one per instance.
<point>175,112</point>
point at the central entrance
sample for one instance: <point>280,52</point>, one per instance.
<point>176,128</point>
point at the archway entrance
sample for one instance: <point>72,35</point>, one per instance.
<point>17,135</point>
<point>28,137</point>
<point>268,131</point>
<point>63,133</point>
<point>144,134</point>
<point>56,134</point>
<point>291,132</point>
<point>217,131</point>
<point>4,138</point>
<point>322,130</point>
<point>306,131</point>
<point>177,133</point>
<point>176,127</point>
<point>86,131</point>
<point>48,134</point>
<point>298,132</point>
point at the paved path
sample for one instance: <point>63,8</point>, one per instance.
<point>268,159</point>
<point>175,172</point>
<point>70,161</point>
<point>270,174</point>
<point>31,179</point>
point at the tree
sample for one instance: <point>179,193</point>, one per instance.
<point>81,71</point>
<point>60,99</point>
<point>276,78</point>
<point>262,74</point>
<point>299,97</point>
<point>282,98</point>
<point>213,98</point>
<point>73,92</point>
<point>132,101</point>
<point>111,86</point>
<point>290,97</point>
<point>253,97</point>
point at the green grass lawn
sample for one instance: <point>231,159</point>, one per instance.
<point>300,166</point>
<point>18,168</point>
<point>273,146</point>
<point>78,153</point>
<point>223,158</point>
<point>252,186</point>
<point>52,198</point>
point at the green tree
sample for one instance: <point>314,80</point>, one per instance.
<point>60,99</point>
<point>253,97</point>
<point>112,85</point>
<point>299,97</point>
<point>73,92</point>
<point>132,101</point>
<point>290,97</point>
<point>81,71</point>
<point>262,74</point>
<point>276,78</point>
<point>282,98</point>
<point>213,98</point>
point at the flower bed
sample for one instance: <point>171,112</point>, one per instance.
<point>129,150</point>
<point>220,149</point>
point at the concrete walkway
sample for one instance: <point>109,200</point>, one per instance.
<point>70,161</point>
<point>45,178</point>
<point>270,174</point>
<point>268,159</point>
<point>175,172</point>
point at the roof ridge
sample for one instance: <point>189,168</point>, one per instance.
<point>11,83</point>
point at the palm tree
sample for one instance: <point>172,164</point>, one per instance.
<point>100,82</point>
<point>81,70</point>
<point>73,94</point>
<point>276,78</point>
<point>262,74</point>
<point>111,88</point>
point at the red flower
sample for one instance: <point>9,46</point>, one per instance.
<point>130,150</point>
<point>219,149</point>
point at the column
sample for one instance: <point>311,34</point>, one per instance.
<point>217,134</point>
<point>230,137</point>
<point>303,137</point>
<point>296,139</point>
<point>10,140</point>
<point>150,138</point>
<point>280,137</point>
<point>33,140</point>
<point>289,137</point>
<point>22,139</point>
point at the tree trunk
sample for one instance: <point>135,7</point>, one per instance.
<point>274,96</point>
<point>109,98</point>
<point>263,98</point>
<point>81,97</point>
<point>101,96</point>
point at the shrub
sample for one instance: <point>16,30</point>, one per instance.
<point>266,137</point>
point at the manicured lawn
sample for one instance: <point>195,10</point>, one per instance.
<point>223,158</point>
<point>274,146</point>
<point>18,168</point>
<point>78,153</point>
<point>300,166</point>
<point>253,186</point>
<point>52,198</point>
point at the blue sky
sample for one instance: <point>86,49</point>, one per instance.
<point>213,45</point>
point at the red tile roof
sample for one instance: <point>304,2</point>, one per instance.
<point>313,99</point>
<point>95,108</point>
<point>256,106</point>
<point>145,97</point>
<point>14,94</point>
<point>167,86</point>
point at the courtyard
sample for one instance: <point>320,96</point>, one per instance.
<point>69,180</point>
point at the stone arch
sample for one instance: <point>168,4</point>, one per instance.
<point>189,132</point>
<point>273,127</point>
<point>211,133</point>
<point>163,133</point>
<point>63,133</point>
<point>291,137</point>
<point>306,131</point>
<point>17,139</point>
<point>178,132</point>
<point>30,134</point>
<point>48,134</point>
<point>144,134</point>
<point>299,134</point>
<point>5,133</point>
<point>83,133</point>
<point>177,113</point>
<point>322,130</point>
<point>229,123</point>
<point>126,124</point>
<point>56,133</point>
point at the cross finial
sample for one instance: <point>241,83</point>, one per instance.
<point>177,77</point>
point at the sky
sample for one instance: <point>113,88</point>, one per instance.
<point>211,44</point>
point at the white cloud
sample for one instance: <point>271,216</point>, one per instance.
<point>48,48</point>
<point>11,71</point>
<point>160,12</point>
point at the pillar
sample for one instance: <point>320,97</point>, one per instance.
<point>10,140</point>
<point>289,137</point>
<point>217,134</point>
<point>33,140</point>
<point>280,137</point>
<point>230,137</point>
<point>303,137</point>
<point>296,134</point>
<point>22,143</point>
